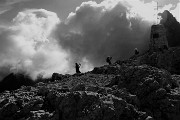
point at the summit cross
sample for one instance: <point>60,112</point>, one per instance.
<point>157,8</point>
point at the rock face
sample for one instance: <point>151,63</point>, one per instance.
<point>158,37</point>
<point>15,81</point>
<point>116,92</point>
<point>173,28</point>
<point>166,59</point>
<point>141,88</point>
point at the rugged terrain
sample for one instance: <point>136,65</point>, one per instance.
<point>144,87</point>
<point>122,91</point>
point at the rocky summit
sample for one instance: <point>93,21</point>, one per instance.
<point>121,91</point>
<point>144,87</point>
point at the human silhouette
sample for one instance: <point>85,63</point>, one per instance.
<point>108,60</point>
<point>136,51</point>
<point>77,66</point>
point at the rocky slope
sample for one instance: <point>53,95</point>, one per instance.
<point>145,87</point>
<point>173,28</point>
<point>122,91</point>
<point>166,59</point>
<point>15,81</point>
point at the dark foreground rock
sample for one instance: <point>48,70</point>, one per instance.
<point>116,92</point>
<point>15,81</point>
<point>168,59</point>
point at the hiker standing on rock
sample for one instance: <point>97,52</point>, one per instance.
<point>108,60</point>
<point>77,66</point>
<point>136,51</point>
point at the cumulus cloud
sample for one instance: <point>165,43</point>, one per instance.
<point>27,46</point>
<point>112,27</point>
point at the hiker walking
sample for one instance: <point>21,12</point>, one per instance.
<point>136,51</point>
<point>108,60</point>
<point>77,66</point>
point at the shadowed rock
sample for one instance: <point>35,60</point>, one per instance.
<point>15,81</point>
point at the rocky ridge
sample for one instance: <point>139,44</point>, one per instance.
<point>122,91</point>
<point>144,87</point>
<point>172,28</point>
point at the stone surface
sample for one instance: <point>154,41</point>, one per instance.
<point>134,92</point>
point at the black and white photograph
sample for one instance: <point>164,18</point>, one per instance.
<point>89,59</point>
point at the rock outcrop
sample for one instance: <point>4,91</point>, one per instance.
<point>173,28</point>
<point>117,92</point>
<point>140,88</point>
<point>15,81</point>
<point>166,59</point>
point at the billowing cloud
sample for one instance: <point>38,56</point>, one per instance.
<point>112,27</point>
<point>27,46</point>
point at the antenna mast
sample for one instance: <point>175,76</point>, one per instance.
<point>157,8</point>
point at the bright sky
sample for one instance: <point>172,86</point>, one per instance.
<point>10,8</point>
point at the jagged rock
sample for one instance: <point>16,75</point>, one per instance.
<point>63,90</point>
<point>57,76</point>
<point>133,93</point>
<point>168,60</point>
<point>92,88</point>
<point>40,115</point>
<point>114,69</point>
<point>176,78</point>
<point>79,87</point>
<point>114,81</point>
<point>8,110</point>
<point>135,78</point>
<point>3,102</point>
<point>40,84</point>
<point>123,93</point>
<point>15,81</point>
<point>88,105</point>
<point>52,100</point>
<point>43,91</point>
<point>173,28</point>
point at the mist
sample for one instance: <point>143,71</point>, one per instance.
<point>38,42</point>
<point>27,46</point>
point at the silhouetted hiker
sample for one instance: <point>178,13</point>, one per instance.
<point>136,51</point>
<point>77,65</point>
<point>108,60</point>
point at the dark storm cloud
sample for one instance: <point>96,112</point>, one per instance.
<point>95,31</point>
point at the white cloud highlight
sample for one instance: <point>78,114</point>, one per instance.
<point>29,46</point>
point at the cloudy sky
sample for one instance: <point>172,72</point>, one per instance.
<point>10,8</point>
<point>46,36</point>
